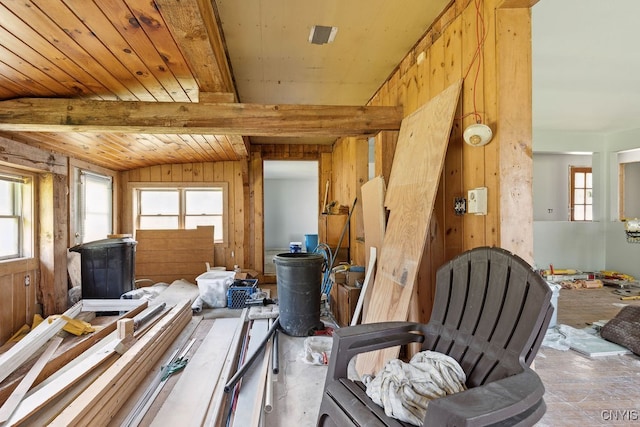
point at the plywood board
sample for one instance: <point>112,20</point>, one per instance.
<point>415,175</point>
<point>168,255</point>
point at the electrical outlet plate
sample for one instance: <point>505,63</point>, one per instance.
<point>477,201</point>
<point>459,205</point>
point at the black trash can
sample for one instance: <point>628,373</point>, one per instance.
<point>107,267</point>
<point>299,281</point>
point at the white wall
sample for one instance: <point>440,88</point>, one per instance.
<point>291,211</point>
<point>567,244</point>
<point>551,184</point>
<point>589,246</point>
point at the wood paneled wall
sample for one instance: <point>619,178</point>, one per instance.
<point>350,169</point>
<point>497,86</point>
<point>236,174</point>
<point>18,302</point>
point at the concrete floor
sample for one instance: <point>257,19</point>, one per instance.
<point>297,389</point>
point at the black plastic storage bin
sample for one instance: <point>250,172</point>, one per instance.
<point>107,267</point>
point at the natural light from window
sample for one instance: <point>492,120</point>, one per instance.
<point>581,194</point>
<point>176,208</point>
<point>16,222</point>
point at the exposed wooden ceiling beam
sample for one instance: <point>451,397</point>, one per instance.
<point>194,25</point>
<point>82,115</point>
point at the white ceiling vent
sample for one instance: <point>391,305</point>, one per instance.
<point>320,34</point>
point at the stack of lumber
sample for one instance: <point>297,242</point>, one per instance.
<point>118,376</point>
<point>87,381</point>
<point>103,398</point>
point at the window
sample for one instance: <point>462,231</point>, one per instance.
<point>181,207</point>
<point>16,222</point>
<point>94,213</point>
<point>581,194</point>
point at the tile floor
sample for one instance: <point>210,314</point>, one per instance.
<point>583,391</point>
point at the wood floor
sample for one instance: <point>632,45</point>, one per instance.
<point>583,391</point>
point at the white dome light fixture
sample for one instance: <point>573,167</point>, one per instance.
<point>477,135</point>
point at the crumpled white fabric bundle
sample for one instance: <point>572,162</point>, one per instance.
<point>405,389</point>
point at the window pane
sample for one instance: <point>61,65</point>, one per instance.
<point>589,200</point>
<point>98,197</point>
<point>578,197</point>
<point>589,185</point>
<point>9,229</point>
<point>578,213</point>
<point>96,227</point>
<point>203,202</point>
<point>97,208</point>
<point>158,222</point>
<point>164,202</point>
<point>579,180</point>
<point>588,215</point>
<point>6,197</point>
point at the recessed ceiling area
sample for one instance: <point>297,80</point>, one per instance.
<point>273,61</point>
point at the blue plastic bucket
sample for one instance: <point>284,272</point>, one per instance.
<point>310,242</point>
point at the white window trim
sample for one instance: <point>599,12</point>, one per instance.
<point>79,195</point>
<point>133,187</point>
<point>27,214</point>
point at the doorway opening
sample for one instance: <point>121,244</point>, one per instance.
<point>291,205</point>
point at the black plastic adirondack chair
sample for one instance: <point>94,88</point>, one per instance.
<point>490,313</point>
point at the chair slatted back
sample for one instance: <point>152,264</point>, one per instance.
<point>490,313</point>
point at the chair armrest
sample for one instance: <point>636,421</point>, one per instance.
<point>353,340</point>
<point>517,396</point>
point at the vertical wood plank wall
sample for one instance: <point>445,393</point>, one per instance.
<point>497,84</point>
<point>18,302</point>
<point>234,173</point>
<point>350,166</point>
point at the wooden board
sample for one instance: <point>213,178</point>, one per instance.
<point>374,219</point>
<point>250,392</point>
<point>201,374</point>
<point>18,394</point>
<point>415,175</point>
<point>168,255</point>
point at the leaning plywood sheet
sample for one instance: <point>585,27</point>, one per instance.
<point>168,255</point>
<point>413,184</point>
<point>374,220</point>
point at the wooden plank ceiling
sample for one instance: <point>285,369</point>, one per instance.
<point>159,55</point>
<point>116,50</point>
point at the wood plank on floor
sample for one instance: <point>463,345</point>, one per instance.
<point>189,399</point>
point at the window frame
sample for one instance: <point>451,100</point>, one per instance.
<point>80,176</point>
<point>573,170</point>
<point>181,186</point>
<point>23,211</point>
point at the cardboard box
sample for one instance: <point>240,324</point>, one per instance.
<point>347,277</point>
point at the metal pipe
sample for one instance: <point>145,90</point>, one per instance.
<point>243,369</point>
<point>275,359</point>
<point>140,319</point>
